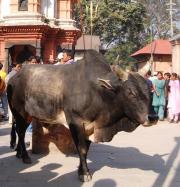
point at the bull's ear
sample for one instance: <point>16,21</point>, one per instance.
<point>105,83</point>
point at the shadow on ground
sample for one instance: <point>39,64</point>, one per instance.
<point>175,182</point>
<point>5,131</point>
<point>100,155</point>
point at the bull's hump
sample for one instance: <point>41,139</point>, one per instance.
<point>92,57</point>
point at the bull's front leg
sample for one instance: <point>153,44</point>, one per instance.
<point>82,146</point>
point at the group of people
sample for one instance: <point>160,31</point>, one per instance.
<point>4,78</point>
<point>65,57</point>
<point>165,95</point>
<point>164,89</point>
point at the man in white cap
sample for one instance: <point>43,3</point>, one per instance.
<point>60,59</point>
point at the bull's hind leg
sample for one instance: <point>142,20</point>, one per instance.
<point>13,136</point>
<point>82,146</point>
<point>21,126</point>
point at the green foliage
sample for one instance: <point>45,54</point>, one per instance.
<point>124,26</point>
<point>158,18</point>
<point>119,24</point>
<point>115,21</point>
<point>120,54</point>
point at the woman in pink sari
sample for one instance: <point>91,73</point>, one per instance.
<point>174,98</point>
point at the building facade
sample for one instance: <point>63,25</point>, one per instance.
<point>176,54</point>
<point>160,52</point>
<point>35,27</point>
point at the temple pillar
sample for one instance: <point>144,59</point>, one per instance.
<point>38,48</point>
<point>5,8</point>
<point>34,6</point>
<point>176,58</point>
<point>48,9</point>
<point>49,52</point>
<point>51,8</point>
<point>5,63</point>
<point>2,49</point>
<point>64,9</point>
<point>176,55</point>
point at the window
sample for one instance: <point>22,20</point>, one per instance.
<point>23,5</point>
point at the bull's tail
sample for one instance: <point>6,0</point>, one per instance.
<point>13,129</point>
<point>9,95</point>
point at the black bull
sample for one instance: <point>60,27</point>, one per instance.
<point>87,96</point>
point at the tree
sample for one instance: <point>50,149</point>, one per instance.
<point>117,22</point>
<point>157,21</point>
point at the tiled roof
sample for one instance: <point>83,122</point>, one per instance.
<point>162,47</point>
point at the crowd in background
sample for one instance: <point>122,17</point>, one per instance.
<point>164,89</point>
<point>5,115</point>
<point>165,95</point>
<point>65,57</point>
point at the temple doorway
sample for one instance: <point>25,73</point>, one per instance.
<point>18,54</point>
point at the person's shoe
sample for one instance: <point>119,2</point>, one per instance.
<point>170,120</point>
<point>161,119</point>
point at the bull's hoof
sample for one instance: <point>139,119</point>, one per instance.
<point>18,155</point>
<point>85,178</point>
<point>12,145</point>
<point>27,160</point>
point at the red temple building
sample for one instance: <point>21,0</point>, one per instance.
<point>35,27</point>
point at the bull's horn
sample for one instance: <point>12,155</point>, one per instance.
<point>106,83</point>
<point>123,75</point>
<point>145,69</point>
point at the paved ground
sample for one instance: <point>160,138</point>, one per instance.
<point>148,157</point>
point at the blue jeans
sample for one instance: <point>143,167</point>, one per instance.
<point>4,102</point>
<point>29,129</point>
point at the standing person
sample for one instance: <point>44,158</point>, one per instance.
<point>11,120</point>
<point>152,114</point>
<point>2,73</point>
<point>38,60</point>
<point>3,95</point>
<point>11,74</point>
<point>2,92</point>
<point>159,96</point>
<point>167,77</point>
<point>150,86</point>
<point>68,57</point>
<point>32,60</point>
<point>174,98</point>
<point>154,77</point>
<point>60,59</point>
<point>14,70</point>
